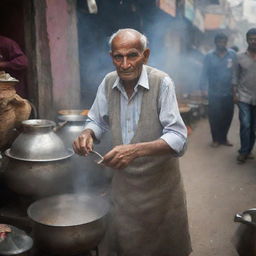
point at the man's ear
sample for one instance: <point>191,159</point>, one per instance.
<point>146,54</point>
<point>110,53</point>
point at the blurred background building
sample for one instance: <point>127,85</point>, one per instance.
<point>66,41</point>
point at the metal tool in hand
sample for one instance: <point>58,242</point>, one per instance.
<point>98,158</point>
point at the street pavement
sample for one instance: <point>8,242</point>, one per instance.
<point>217,188</point>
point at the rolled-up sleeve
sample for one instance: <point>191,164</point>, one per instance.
<point>97,116</point>
<point>174,129</point>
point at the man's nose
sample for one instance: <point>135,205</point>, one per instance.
<point>125,63</point>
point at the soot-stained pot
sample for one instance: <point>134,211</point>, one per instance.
<point>38,161</point>
<point>245,236</point>
<point>69,224</point>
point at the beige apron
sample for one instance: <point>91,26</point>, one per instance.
<point>148,216</point>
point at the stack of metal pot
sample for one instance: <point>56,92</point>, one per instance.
<point>38,163</point>
<point>86,172</point>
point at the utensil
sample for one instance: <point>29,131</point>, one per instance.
<point>98,158</point>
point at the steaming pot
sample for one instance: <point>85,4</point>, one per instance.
<point>38,163</point>
<point>86,172</point>
<point>68,224</point>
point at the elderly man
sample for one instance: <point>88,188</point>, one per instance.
<point>138,103</point>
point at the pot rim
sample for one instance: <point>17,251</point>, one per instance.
<point>66,155</point>
<point>38,123</point>
<point>104,203</point>
<point>72,118</point>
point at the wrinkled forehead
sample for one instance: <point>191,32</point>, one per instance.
<point>127,41</point>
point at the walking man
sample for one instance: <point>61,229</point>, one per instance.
<point>245,87</point>
<point>217,74</point>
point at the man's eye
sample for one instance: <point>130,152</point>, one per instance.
<point>133,55</point>
<point>118,57</point>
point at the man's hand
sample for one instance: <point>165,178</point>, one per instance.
<point>120,156</point>
<point>84,143</point>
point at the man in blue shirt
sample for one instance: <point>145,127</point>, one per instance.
<point>217,74</point>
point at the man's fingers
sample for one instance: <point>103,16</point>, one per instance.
<point>114,160</point>
<point>83,144</point>
<point>76,147</point>
<point>90,144</point>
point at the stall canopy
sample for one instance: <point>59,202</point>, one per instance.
<point>168,6</point>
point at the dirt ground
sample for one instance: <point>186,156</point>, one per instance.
<point>217,188</point>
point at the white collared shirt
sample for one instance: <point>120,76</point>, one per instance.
<point>174,129</point>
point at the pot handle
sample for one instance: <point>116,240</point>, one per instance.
<point>58,127</point>
<point>239,218</point>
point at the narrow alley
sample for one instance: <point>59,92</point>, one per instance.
<point>217,188</point>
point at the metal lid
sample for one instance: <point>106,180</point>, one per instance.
<point>73,115</point>
<point>16,242</point>
<point>38,143</point>
<point>72,118</point>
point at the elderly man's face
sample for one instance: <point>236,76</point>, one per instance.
<point>128,58</point>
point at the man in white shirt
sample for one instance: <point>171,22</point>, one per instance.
<point>138,104</point>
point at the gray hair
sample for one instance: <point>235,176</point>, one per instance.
<point>143,38</point>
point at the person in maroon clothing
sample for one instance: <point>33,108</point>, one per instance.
<point>14,62</point>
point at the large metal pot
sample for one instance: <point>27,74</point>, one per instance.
<point>38,179</point>
<point>68,224</point>
<point>38,143</point>
<point>245,237</point>
<point>38,162</point>
<point>74,123</point>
